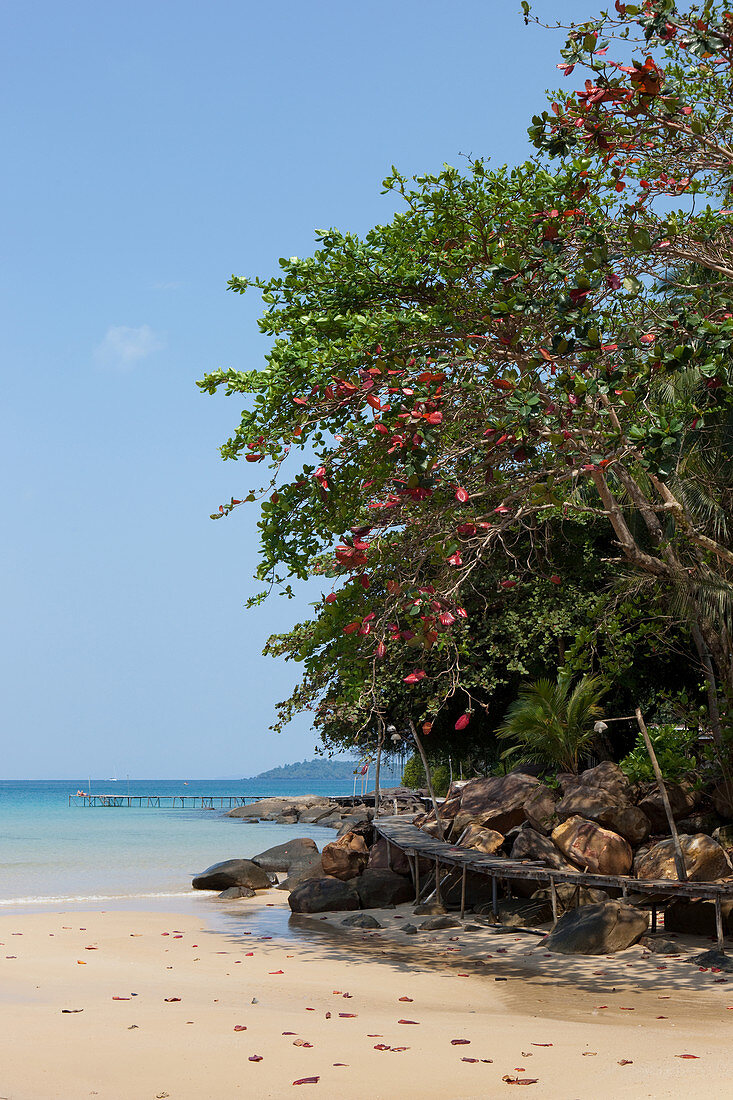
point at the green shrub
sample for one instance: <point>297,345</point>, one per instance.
<point>414,773</point>
<point>674,751</point>
<point>441,780</point>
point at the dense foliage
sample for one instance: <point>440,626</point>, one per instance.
<point>518,348</point>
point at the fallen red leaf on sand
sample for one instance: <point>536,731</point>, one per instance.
<point>249,953</point>
<point>540,1044</point>
<point>459,1042</point>
<point>348,1015</point>
<point>255,1058</point>
<point>328,1015</point>
<point>276,971</point>
<point>307,1081</point>
<point>121,998</point>
<point>662,1017</point>
<point>381,1046</point>
<point>687,1055</point>
<point>601,1006</point>
<point>398,1050</point>
<point>469,1059</point>
<point>91,949</point>
<point>290,1032</point>
<point>310,1010</point>
<point>408,1021</point>
<point>625,1009</point>
<point>341,1064</point>
<point>626,1062</point>
<point>520,1080</point>
<point>590,1053</point>
<point>169,999</point>
<point>405,998</point>
<point>301,1043</point>
<point>240,1027</point>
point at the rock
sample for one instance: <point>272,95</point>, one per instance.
<point>332,821</point>
<point>316,813</point>
<point>233,892</point>
<point>659,945</point>
<point>571,897</point>
<point>323,895</point>
<point>608,777</point>
<point>346,857</point>
<point>286,819</point>
<point>520,913</point>
<point>353,823</point>
<point>496,802</point>
<point>592,847</point>
<point>597,929</point>
<point>568,781</point>
<point>379,857</point>
<point>483,840</point>
<point>431,828</point>
<point>533,845</point>
<point>299,872</point>
<point>437,924</point>
<point>429,908</point>
<point>361,920</point>
<point>527,767</point>
<point>680,801</point>
<point>713,958</point>
<point>700,822</point>
<point>540,809</point>
<point>409,929</point>
<point>724,837</point>
<point>723,801</point>
<point>232,872</point>
<point>607,808</point>
<point>376,889</point>
<point>282,856</point>
<point>696,916</point>
<point>705,860</point>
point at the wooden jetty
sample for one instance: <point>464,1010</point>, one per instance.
<point>164,801</point>
<point>453,863</point>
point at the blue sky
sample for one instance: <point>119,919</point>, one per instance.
<point>152,150</point>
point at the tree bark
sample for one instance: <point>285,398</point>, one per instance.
<point>678,857</point>
<point>426,766</point>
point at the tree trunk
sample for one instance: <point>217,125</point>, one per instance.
<point>678,857</point>
<point>426,766</point>
<point>378,765</point>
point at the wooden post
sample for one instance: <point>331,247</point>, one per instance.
<point>719,922</point>
<point>463,892</point>
<point>678,857</point>
<point>417,878</point>
<point>437,882</point>
<point>553,896</point>
<point>425,765</point>
<point>494,896</point>
<point>378,766</point>
<point>389,856</point>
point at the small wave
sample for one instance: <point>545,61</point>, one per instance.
<point>64,898</point>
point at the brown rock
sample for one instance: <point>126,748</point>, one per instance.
<point>705,860</point>
<point>323,895</point>
<point>232,872</point>
<point>516,913</point>
<point>380,860</point>
<point>607,808</point>
<point>568,781</point>
<point>346,857</point>
<point>378,888</point>
<point>607,776</point>
<point>533,845</point>
<point>483,840</point>
<point>592,847</point>
<point>652,805</point>
<point>597,929</point>
<point>723,801</point>
<point>282,856</point>
<point>496,802</point>
<point>540,809</point>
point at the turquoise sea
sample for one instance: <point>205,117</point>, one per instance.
<point>60,857</point>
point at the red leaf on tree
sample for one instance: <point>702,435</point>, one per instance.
<point>461,495</point>
<point>463,721</point>
<point>415,677</point>
<point>507,584</point>
<point>556,579</point>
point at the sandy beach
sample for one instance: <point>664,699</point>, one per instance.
<point>153,1005</point>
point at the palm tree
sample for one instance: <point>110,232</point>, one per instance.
<point>552,723</point>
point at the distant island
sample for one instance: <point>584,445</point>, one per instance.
<point>321,770</point>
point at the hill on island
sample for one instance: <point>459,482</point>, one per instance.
<point>321,770</point>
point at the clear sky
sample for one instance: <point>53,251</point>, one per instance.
<point>150,151</point>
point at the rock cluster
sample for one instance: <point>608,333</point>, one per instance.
<point>317,810</point>
<point>595,822</point>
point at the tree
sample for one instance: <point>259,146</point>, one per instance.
<point>552,722</point>
<point>507,352</point>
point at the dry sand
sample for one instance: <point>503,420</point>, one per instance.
<point>163,997</point>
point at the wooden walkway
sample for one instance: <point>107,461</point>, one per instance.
<point>165,801</point>
<point>400,832</point>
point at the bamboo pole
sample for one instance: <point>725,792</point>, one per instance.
<point>679,859</point>
<point>378,766</point>
<point>426,766</point>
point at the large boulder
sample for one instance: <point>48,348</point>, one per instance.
<point>607,808</point>
<point>696,916</point>
<point>568,896</point>
<point>483,840</point>
<point>323,895</point>
<point>597,929</point>
<point>496,802</point>
<point>378,888</point>
<point>267,807</point>
<point>282,856</point>
<point>533,845</point>
<point>232,872</point>
<point>382,859</point>
<point>345,857</point>
<point>540,809</point>
<point>314,814</point>
<point>299,872</point>
<point>705,860</point>
<point>680,800</point>
<point>593,848</point>
<point>608,777</point>
<point>524,913</point>
<point>234,893</point>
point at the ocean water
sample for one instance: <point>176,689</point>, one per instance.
<point>58,856</point>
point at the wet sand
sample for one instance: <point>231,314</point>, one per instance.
<point>185,1007</point>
